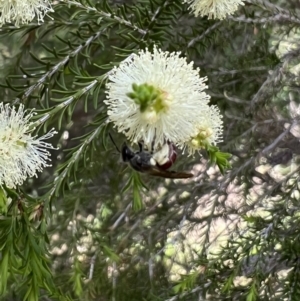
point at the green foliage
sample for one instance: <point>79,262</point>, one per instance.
<point>76,279</point>
<point>24,249</point>
<point>137,184</point>
<point>186,283</point>
<point>252,294</point>
<point>219,158</point>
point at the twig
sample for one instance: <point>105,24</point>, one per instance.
<point>106,15</point>
<point>55,68</point>
<point>204,34</point>
<point>120,218</point>
<point>276,18</point>
<point>92,266</point>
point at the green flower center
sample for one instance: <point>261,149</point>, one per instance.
<point>150,99</point>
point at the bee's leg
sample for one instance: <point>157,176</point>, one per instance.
<point>153,143</point>
<point>114,143</point>
<point>152,147</point>
<point>140,146</point>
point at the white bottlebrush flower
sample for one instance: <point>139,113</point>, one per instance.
<point>21,155</point>
<point>23,11</point>
<point>176,93</point>
<point>209,131</point>
<point>217,9</point>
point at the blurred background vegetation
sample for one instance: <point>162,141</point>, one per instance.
<point>87,229</point>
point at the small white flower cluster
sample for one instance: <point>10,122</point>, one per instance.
<point>23,11</point>
<point>21,155</point>
<point>178,111</point>
<point>217,9</point>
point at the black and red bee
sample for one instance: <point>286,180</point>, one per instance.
<point>155,164</point>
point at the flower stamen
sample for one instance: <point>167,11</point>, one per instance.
<point>21,155</point>
<point>156,97</point>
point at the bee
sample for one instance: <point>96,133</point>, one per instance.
<point>154,164</point>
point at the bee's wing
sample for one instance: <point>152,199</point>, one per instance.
<point>155,171</point>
